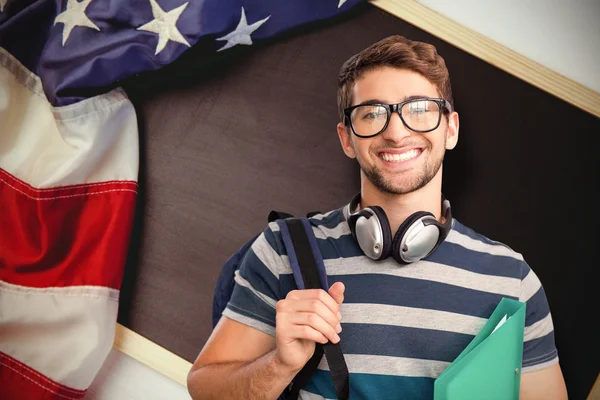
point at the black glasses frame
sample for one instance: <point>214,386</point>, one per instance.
<point>397,108</point>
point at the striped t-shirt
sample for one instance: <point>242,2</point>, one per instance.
<point>402,324</point>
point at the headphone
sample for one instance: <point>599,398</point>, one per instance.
<point>418,236</point>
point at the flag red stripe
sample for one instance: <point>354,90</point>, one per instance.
<point>19,382</point>
<point>66,236</point>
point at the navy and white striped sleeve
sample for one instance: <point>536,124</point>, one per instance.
<point>539,350</point>
<point>257,287</point>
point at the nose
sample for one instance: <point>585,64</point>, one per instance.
<point>396,130</point>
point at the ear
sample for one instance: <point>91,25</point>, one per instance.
<point>452,131</point>
<point>345,140</point>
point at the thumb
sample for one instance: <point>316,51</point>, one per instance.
<point>337,292</point>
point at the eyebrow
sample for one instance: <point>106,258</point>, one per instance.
<point>378,101</point>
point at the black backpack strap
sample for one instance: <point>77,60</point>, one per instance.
<point>275,215</point>
<point>333,352</point>
<point>302,378</point>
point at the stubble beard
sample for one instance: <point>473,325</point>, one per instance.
<point>399,185</point>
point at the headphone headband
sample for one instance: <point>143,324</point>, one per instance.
<point>354,203</point>
<point>447,213</point>
<point>446,209</point>
<point>417,237</point>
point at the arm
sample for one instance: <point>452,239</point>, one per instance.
<point>539,381</point>
<point>544,384</point>
<point>240,362</point>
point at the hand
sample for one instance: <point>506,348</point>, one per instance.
<point>303,318</point>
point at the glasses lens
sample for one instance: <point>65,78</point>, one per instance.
<point>368,120</point>
<point>421,115</point>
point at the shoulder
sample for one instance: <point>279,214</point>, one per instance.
<point>478,247</point>
<point>464,234</point>
<point>265,253</point>
<point>333,235</point>
<point>500,260</point>
<point>328,221</point>
<point>269,245</point>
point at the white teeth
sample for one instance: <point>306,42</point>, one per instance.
<point>401,157</point>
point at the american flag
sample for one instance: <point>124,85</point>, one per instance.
<point>69,163</point>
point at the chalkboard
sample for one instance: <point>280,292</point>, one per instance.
<point>225,140</point>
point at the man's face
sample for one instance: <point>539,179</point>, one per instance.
<point>398,161</point>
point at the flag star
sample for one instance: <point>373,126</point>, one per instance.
<point>341,3</point>
<point>241,34</point>
<point>163,24</point>
<point>2,4</point>
<point>74,16</point>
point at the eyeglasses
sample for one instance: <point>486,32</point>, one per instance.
<point>419,115</point>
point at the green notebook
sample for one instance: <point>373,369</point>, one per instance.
<point>490,367</point>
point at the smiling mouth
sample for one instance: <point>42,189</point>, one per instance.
<point>400,157</point>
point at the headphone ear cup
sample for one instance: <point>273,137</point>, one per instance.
<point>386,232</point>
<point>371,230</point>
<point>397,251</point>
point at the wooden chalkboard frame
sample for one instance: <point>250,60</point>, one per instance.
<point>493,53</point>
<point>151,354</point>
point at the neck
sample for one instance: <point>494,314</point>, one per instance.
<point>398,207</point>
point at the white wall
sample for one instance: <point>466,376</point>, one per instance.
<point>123,378</point>
<point>563,35</point>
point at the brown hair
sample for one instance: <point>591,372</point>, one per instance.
<point>399,52</point>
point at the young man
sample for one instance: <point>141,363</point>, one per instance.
<point>403,324</point>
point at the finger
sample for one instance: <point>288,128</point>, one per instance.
<point>316,322</point>
<point>316,306</point>
<point>336,291</point>
<point>318,294</point>
<point>289,307</point>
<point>305,332</point>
